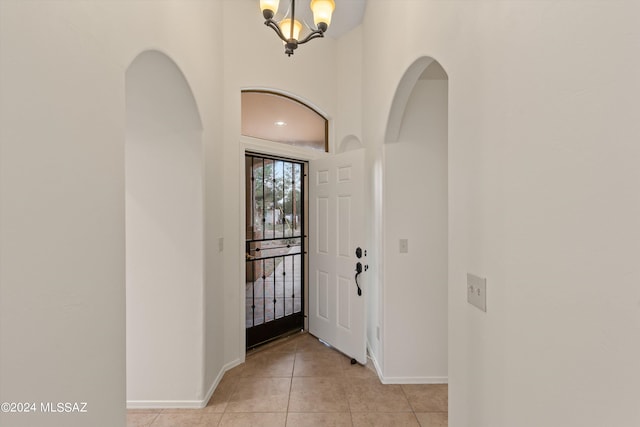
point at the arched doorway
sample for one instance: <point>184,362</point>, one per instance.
<point>164,235</point>
<point>416,227</point>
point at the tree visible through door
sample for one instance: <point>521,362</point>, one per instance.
<point>274,247</point>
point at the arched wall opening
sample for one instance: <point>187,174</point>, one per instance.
<point>164,236</point>
<point>416,228</point>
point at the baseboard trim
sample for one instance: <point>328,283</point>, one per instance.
<point>402,380</point>
<point>184,404</point>
<point>374,361</point>
<point>216,382</point>
<point>414,380</point>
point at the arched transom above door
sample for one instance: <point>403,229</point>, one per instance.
<point>280,118</point>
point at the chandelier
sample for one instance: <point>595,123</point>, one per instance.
<point>288,29</point>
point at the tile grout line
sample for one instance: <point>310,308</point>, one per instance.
<point>413,411</point>
<point>154,419</point>
<point>293,369</point>
<point>286,414</point>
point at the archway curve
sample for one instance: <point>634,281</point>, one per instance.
<point>350,143</point>
<point>164,221</point>
<point>414,241</point>
<point>302,100</point>
<point>401,97</point>
<point>278,116</point>
<point>159,97</point>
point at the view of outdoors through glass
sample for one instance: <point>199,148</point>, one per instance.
<point>274,239</point>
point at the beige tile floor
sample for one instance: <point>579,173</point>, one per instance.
<point>300,382</point>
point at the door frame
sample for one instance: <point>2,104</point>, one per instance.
<point>269,148</point>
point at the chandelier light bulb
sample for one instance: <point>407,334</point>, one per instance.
<point>269,8</point>
<point>322,11</point>
<point>285,27</point>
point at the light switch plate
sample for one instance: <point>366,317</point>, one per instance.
<point>404,246</point>
<point>477,291</point>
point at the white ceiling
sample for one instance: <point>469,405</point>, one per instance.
<point>347,16</point>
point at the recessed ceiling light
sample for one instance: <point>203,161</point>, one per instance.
<point>280,123</point>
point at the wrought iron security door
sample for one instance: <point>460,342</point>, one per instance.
<point>274,247</point>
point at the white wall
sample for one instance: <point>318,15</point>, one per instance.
<point>62,221</point>
<point>164,236</point>
<point>348,116</point>
<point>210,102</point>
<point>415,285</point>
<point>62,230</point>
<point>542,140</point>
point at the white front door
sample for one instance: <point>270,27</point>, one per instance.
<point>336,216</point>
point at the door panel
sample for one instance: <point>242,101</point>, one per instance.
<point>344,302</point>
<point>275,276</point>
<point>336,210</point>
<point>345,245</point>
<point>322,300</point>
<point>322,225</point>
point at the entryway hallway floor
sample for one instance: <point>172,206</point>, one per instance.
<point>300,382</point>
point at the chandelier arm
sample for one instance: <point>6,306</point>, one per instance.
<point>274,26</point>
<point>316,34</point>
